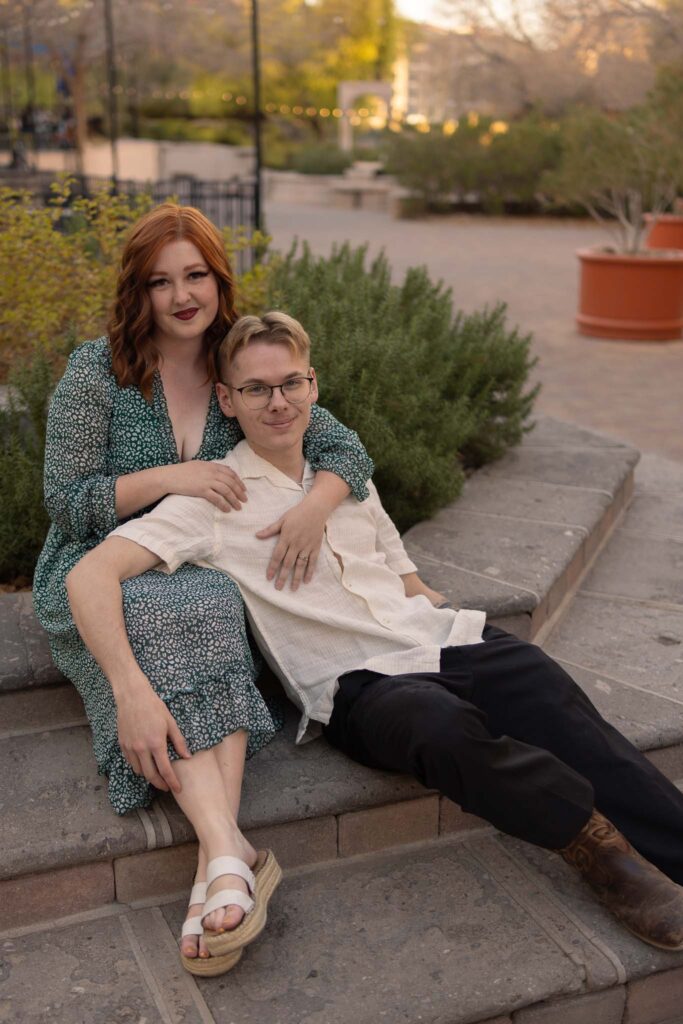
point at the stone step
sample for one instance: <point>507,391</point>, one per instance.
<point>24,650</point>
<point>40,709</point>
<point>476,929</point>
<point>310,803</point>
<point>65,850</point>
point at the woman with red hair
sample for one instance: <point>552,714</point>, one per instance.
<point>134,418</point>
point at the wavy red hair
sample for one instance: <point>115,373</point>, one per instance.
<point>134,358</point>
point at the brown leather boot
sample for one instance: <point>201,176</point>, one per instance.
<point>647,902</point>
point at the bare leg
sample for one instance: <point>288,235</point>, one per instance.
<point>212,781</point>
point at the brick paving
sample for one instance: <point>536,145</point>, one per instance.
<point>630,390</point>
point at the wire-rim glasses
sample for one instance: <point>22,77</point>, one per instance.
<point>258,396</point>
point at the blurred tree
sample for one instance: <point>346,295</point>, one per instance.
<point>557,52</point>
<point>191,58</point>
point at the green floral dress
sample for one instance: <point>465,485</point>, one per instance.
<point>187,630</point>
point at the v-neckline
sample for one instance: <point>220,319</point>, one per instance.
<point>161,409</point>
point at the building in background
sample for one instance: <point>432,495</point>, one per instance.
<point>444,75</point>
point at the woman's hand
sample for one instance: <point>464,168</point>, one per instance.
<point>301,534</point>
<point>211,480</point>
<point>145,726</point>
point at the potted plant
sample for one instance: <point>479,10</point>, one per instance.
<point>617,167</point>
<point>666,229</point>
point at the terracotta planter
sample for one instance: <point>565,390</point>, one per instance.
<point>666,231</point>
<point>637,298</point>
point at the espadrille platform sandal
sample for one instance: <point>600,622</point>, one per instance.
<point>205,967</point>
<point>261,882</point>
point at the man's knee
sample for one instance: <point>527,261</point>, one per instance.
<point>443,726</point>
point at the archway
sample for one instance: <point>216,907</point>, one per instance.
<point>347,93</point>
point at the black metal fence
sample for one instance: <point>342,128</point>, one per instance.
<point>230,203</point>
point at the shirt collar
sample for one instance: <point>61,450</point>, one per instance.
<point>251,466</point>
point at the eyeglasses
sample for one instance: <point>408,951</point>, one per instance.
<point>258,396</point>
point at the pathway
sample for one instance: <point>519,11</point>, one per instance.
<point>631,390</point>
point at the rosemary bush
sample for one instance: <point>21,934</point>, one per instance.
<point>24,521</point>
<point>430,393</point>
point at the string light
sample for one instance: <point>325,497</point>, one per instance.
<point>161,7</point>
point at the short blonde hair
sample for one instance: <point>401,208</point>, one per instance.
<point>273,328</point>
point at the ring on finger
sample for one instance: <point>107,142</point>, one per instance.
<point>302,558</point>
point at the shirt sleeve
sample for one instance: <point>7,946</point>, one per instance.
<point>180,529</point>
<point>331,446</point>
<point>79,489</point>
<point>388,538</point>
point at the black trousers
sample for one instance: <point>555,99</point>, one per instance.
<point>503,731</point>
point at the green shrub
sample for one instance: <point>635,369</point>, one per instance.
<point>229,132</point>
<point>438,168</point>
<point>515,163</point>
<point>24,521</point>
<point>320,158</point>
<point>429,393</point>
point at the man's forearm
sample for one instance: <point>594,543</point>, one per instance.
<point>96,601</point>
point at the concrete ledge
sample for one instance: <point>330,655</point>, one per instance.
<point>41,897</point>
<point>24,650</point>
<point>515,544</point>
<point>461,932</point>
<point>525,529</point>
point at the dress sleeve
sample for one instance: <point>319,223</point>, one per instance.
<point>79,488</point>
<point>329,445</point>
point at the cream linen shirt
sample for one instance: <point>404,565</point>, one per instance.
<point>353,614</point>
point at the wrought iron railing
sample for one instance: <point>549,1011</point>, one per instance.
<point>229,203</point>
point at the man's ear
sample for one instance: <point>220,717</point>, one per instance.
<point>224,396</point>
<point>314,385</point>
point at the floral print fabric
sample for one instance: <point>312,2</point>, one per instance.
<point>187,630</point>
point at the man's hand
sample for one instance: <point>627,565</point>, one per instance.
<point>413,585</point>
<point>145,726</point>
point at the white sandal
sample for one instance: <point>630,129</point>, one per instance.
<point>204,966</point>
<point>261,882</point>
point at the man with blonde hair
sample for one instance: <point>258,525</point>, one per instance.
<point>395,682</point>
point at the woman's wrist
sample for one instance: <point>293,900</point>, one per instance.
<point>166,476</point>
<point>135,491</point>
<point>328,492</point>
<point>128,686</point>
<point>319,502</point>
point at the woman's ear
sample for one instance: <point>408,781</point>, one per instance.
<point>224,396</point>
<point>314,385</point>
